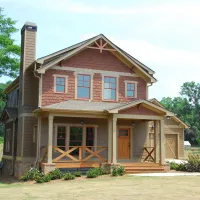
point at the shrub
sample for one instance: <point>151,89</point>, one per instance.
<point>181,167</point>
<point>55,174</point>
<point>193,164</point>
<point>118,171</point>
<point>121,171</point>
<point>93,173</point>
<point>69,176</point>
<point>78,174</point>
<point>31,174</point>
<point>173,165</point>
<point>43,178</point>
<point>102,171</point>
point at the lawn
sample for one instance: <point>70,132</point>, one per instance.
<point>127,187</point>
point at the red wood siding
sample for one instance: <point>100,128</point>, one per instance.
<point>140,111</point>
<point>90,59</point>
<point>93,59</point>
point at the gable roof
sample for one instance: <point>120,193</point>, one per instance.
<point>156,102</point>
<point>52,59</point>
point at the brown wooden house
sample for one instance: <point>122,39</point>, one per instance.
<point>86,106</point>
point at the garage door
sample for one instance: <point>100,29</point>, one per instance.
<point>171,145</point>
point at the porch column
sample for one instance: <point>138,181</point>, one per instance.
<point>162,143</point>
<point>156,137</point>
<point>114,143</point>
<point>109,140</point>
<point>50,139</point>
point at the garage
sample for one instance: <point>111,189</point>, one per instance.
<point>171,145</point>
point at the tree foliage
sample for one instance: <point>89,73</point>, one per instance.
<point>9,51</point>
<point>187,108</point>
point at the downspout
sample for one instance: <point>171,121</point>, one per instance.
<point>13,139</point>
<point>39,120</point>
<point>147,92</point>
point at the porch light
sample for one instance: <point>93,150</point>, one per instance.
<point>82,122</point>
<point>152,127</point>
<point>133,124</point>
<point>168,117</point>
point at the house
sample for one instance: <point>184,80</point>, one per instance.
<point>85,106</point>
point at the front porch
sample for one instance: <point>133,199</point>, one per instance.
<point>85,141</point>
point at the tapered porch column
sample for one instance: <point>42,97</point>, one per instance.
<point>50,139</point>
<point>109,140</point>
<point>114,143</point>
<point>162,143</point>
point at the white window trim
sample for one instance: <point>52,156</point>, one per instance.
<point>66,82</point>
<point>135,91</point>
<point>7,141</point>
<point>117,87</point>
<point>76,84</point>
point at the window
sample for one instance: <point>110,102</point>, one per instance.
<point>61,137</point>
<point>8,140</point>
<point>83,91</point>
<point>109,88</point>
<point>60,83</point>
<point>90,136</point>
<point>131,89</point>
<point>76,136</point>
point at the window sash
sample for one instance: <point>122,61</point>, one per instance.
<point>60,84</point>
<point>110,87</point>
<point>83,86</point>
<point>130,89</point>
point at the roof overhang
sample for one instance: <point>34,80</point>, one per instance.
<point>140,68</point>
<point>143,103</point>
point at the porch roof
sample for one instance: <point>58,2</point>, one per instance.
<point>109,107</point>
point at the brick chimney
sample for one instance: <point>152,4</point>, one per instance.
<point>28,56</point>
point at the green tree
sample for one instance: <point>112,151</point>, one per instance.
<point>187,108</point>
<point>9,51</point>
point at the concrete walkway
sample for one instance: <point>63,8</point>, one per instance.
<point>168,174</point>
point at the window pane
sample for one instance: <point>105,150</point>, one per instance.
<point>80,83</point>
<point>106,80</point>
<point>86,84</point>
<point>113,80</point>
<point>60,88</point>
<point>107,93</point>
<point>86,78</point>
<point>130,93</point>
<point>90,136</point>
<point>106,85</point>
<point>123,132</point>
<point>113,85</point>
<point>80,77</point>
<point>113,92</point>
<point>75,138</point>
<point>83,92</point>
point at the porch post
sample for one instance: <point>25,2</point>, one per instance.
<point>109,140</point>
<point>50,139</point>
<point>114,133</point>
<point>156,149</point>
<point>162,143</point>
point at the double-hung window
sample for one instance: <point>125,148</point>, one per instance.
<point>110,88</point>
<point>60,84</point>
<point>131,89</point>
<point>84,84</point>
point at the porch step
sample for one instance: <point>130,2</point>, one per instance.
<point>135,168</point>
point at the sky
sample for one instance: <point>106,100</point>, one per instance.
<point>164,35</point>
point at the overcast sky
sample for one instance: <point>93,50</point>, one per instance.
<point>164,35</point>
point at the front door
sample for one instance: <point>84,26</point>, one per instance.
<point>124,143</point>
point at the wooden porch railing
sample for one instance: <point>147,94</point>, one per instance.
<point>149,151</point>
<point>79,155</point>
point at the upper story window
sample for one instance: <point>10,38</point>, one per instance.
<point>8,140</point>
<point>84,84</point>
<point>110,88</point>
<point>60,83</point>
<point>131,89</point>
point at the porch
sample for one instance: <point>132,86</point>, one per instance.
<point>85,141</point>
